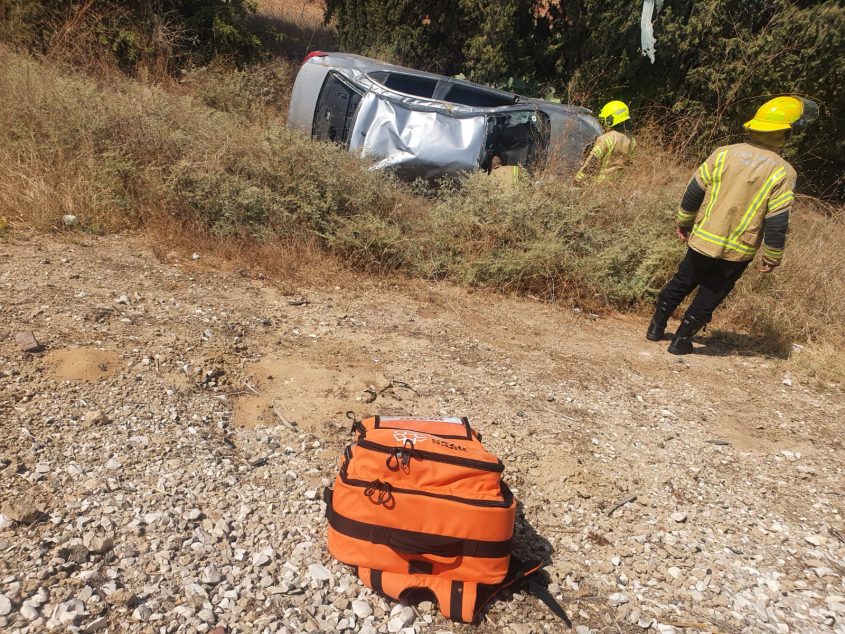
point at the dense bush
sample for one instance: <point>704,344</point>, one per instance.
<point>716,59</point>
<point>148,35</point>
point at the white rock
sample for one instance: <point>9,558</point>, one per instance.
<point>583,629</point>
<point>210,576</point>
<point>69,220</point>
<point>114,464</point>
<point>395,624</point>
<point>263,557</point>
<point>5,605</point>
<point>311,494</point>
<point>29,611</point>
<point>4,521</point>
<point>674,572</point>
<point>814,539</point>
<point>361,609</point>
<point>142,613</point>
<point>407,615</point>
<point>617,598</point>
<point>679,516</point>
<point>319,572</point>
<point>616,560</point>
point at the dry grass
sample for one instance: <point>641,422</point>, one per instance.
<point>300,25</point>
<point>214,169</point>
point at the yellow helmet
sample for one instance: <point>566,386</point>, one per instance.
<point>614,113</point>
<point>783,113</point>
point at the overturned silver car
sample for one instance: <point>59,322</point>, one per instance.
<point>425,125</point>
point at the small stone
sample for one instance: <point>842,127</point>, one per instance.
<point>361,609</point>
<point>407,615</point>
<point>95,417</point>
<point>311,494</point>
<point>29,611</point>
<point>113,464</point>
<point>319,572</point>
<point>5,605</point>
<point>674,572</point>
<point>815,540</point>
<point>263,557</point>
<point>96,625</point>
<point>583,629</point>
<point>394,625</point>
<point>69,220</point>
<point>142,613</point>
<point>100,544</point>
<point>26,342</point>
<point>210,576</point>
<point>679,516</point>
<point>617,598</point>
<point>23,511</point>
<point>616,560</point>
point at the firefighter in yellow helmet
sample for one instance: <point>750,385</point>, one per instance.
<point>613,149</point>
<point>738,201</point>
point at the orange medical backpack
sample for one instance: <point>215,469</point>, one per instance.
<point>419,503</point>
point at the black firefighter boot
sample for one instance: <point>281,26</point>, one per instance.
<point>682,341</point>
<point>657,327</point>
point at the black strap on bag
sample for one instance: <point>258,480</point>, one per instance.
<point>542,592</point>
<point>521,574</point>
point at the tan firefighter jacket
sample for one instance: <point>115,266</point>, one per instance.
<point>747,194</point>
<point>506,176</point>
<point>610,154</point>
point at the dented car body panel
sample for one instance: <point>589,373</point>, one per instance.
<point>425,125</point>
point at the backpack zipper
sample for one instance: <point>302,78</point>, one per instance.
<point>436,457</point>
<point>507,496</point>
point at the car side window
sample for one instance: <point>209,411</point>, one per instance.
<point>519,138</point>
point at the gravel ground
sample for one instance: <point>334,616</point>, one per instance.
<point>162,456</point>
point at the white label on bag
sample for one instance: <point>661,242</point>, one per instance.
<point>404,435</point>
<point>452,420</point>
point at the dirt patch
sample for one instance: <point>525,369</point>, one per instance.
<point>82,364</point>
<point>312,394</point>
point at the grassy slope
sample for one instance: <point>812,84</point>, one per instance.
<point>216,159</point>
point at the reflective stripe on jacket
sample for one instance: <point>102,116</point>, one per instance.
<point>611,153</point>
<point>747,186</point>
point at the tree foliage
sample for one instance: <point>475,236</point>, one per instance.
<point>716,61</point>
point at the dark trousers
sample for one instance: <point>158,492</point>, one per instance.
<point>714,279</point>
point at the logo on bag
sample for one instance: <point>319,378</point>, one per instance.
<point>404,435</point>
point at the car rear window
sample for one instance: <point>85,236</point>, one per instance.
<point>408,84</point>
<point>479,98</point>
